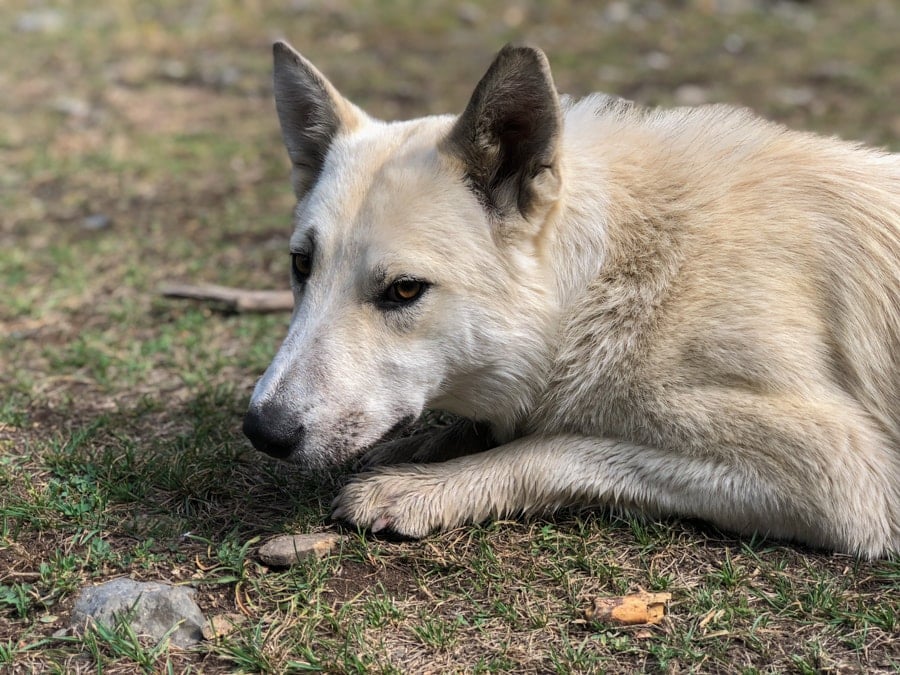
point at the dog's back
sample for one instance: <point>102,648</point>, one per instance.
<point>763,242</point>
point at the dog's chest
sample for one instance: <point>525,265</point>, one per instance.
<point>605,363</point>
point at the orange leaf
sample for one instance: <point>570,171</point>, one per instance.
<point>628,610</point>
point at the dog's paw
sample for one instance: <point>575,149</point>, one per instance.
<point>400,500</point>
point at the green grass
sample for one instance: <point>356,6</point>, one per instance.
<point>120,449</point>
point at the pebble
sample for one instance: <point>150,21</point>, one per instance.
<point>40,21</point>
<point>288,549</point>
<point>97,221</point>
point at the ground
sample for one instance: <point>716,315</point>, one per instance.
<point>139,145</point>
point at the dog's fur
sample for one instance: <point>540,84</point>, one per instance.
<point>688,311</point>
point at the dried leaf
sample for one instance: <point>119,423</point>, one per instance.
<point>221,625</point>
<point>628,610</point>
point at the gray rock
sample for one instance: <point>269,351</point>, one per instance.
<point>470,14</point>
<point>288,549</point>
<point>97,221</point>
<point>152,609</point>
<point>72,107</point>
<point>41,21</point>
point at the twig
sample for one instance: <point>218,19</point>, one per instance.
<point>234,299</point>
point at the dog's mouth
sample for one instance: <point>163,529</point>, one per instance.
<point>345,451</point>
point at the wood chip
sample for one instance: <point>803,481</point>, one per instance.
<point>221,625</point>
<point>287,549</point>
<point>629,610</point>
<point>234,299</point>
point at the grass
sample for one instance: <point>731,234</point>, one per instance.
<point>120,450</point>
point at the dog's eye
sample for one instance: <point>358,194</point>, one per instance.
<point>302,266</point>
<point>404,291</point>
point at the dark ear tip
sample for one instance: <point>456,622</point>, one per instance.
<point>281,50</point>
<point>513,50</point>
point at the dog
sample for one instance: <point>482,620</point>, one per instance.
<point>689,312</point>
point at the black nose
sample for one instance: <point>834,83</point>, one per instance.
<point>271,433</point>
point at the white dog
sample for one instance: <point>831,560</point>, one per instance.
<point>688,311</point>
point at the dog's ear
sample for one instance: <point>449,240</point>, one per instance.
<point>311,113</point>
<point>508,135</point>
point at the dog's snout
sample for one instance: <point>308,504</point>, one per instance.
<point>273,436</point>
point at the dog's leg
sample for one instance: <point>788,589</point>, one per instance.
<point>786,472</point>
<point>462,437</point>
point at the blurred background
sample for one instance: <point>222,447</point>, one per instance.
<point>114,106</point>
<point>139,143</point>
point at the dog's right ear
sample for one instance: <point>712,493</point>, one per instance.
<point>311,113</point>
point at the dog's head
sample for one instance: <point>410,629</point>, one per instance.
<point>416,259</point>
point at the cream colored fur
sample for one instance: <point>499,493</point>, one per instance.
<point>690,312</point>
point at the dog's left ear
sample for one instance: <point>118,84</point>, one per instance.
<point>508,136</point>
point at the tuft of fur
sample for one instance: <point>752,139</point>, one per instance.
<point>690,311</point>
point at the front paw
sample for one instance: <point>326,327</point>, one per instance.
<point>400,500</point>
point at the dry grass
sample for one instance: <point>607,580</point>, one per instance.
<point>120,451</point>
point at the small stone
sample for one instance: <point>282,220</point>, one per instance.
<point>658,60</point>
<point>287,549</point>
<point>97,221</point>
<point>40,21</point>
<point>733,43</point>
<point>72,107</point>
<point>175,69</point>
<point>152,608</point>
<point>617,12</point>
<point>470,14</point>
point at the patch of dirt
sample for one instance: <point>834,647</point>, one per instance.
<point>175,110</point>
<point>354,578</point>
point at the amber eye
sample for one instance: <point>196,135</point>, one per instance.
<point>302,266</point>
<point>404,291</point>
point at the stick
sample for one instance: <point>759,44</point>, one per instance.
<point>234,299</point>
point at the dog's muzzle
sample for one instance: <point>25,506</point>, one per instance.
<point>272,433</point>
